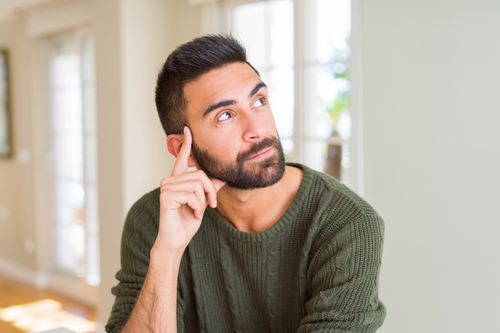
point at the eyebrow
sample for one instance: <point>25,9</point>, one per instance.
<point>256,89</point>
<point>215,106</point>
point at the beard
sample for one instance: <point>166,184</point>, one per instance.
<point>240,176</point>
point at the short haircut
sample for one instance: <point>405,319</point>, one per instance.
<point>187,63</point>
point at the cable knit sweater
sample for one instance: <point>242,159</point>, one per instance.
<point>315,270</point>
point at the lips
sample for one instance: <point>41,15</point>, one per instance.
<point>262,152</point>
<point>257,149</point>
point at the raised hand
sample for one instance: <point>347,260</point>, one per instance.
<point>183,199</point>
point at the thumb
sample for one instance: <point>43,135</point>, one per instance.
<point>218,184</point>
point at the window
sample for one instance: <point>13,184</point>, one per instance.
<point>301,49</point>
<point>74,146</point>
<point>266,28</point>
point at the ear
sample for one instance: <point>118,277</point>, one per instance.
<point>174,144</point>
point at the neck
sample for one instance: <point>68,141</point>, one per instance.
<point>257,210</point>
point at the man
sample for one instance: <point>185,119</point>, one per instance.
<point>246,243</point>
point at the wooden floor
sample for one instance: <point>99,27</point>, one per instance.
<point>15,293</point>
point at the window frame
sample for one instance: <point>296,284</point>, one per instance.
<point>48,274</point>
<point>355,78</point>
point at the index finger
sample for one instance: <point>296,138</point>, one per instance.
<point>181,163</point>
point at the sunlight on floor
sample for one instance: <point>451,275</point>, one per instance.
<point>44,315</point>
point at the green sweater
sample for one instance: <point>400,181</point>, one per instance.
<point>315,270</point>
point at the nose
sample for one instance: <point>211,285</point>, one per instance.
<point>254,126</point>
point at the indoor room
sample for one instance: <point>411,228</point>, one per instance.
<point>397,100</point>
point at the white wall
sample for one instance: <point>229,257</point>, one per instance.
<point>432,160</point>
<point>147,38</point>
<point>132,41</point>
<point>16,227</point>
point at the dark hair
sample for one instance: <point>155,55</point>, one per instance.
<point>187,63</point>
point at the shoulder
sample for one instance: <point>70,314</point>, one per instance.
<point>330,192</point>
<point>345,228</point>
<point>143,217</point>
<point>351,208</point>
<point>335,209</point>
<point>148,204</point>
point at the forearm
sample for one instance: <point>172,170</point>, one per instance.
<point>183,199</point>
<point>156,307</point>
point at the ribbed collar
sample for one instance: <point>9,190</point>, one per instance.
<point>285,219</point>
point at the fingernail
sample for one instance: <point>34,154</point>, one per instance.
<point>201,216</point>
<point>215,203</point>
<point>185,127</point>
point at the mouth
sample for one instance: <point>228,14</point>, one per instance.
<point>262,154</point>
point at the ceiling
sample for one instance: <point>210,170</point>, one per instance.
<point>10,9</point>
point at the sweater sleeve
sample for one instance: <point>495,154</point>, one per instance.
<point>343,277</point>
<point>138,237</point>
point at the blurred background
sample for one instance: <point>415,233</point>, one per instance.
<point>398,99</point>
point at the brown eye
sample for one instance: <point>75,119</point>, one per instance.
<point>224,116</point>
<point>259,102</point>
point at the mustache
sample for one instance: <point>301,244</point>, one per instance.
<point>257,147</point>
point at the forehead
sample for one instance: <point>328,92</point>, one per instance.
<point>231,82</point>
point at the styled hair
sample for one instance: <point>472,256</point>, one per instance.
<point>187,63</point>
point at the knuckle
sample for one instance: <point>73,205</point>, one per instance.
<point>164,196</point>
<point>165,181</point>
<point>198,199</point>
<point>204,178</point>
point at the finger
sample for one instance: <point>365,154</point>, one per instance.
<point>194,186</point>
<point>181,163</point>
<point>208,186</point>
<point>218,184</point>
<point>175,199</point>
<point>198,207</point>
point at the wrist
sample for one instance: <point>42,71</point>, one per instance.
<point>161,256</point>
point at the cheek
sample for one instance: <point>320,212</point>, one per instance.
<point>271,124</point>
<point>225,149</point>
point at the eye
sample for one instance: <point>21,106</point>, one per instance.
<point>224,116</point>
<point>260,102</point>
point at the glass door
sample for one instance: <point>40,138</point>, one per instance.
<point>74,150</point>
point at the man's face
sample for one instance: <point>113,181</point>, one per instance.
<point>234,134</point>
